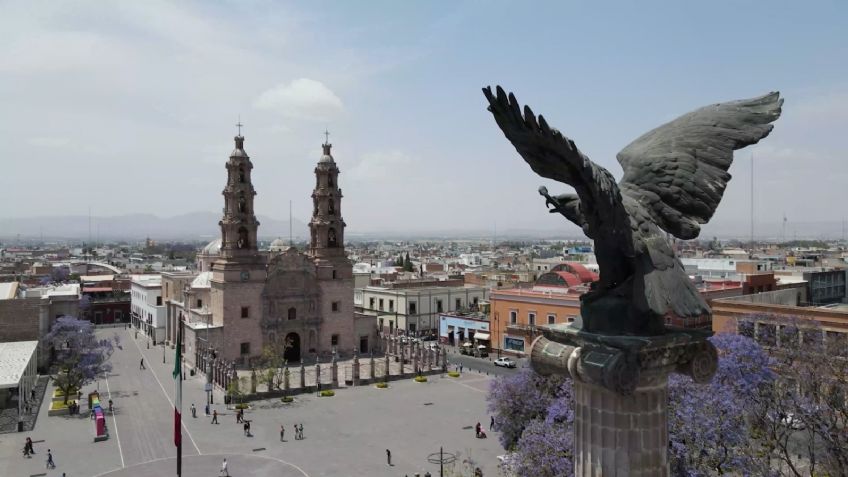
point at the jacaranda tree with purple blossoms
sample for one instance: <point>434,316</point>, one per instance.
<point>77,353</point>
<point>708,432</point>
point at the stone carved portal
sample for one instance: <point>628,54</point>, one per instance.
<point>290,291</point>
<point>292,352</point>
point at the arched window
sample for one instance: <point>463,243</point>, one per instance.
<point>241,176</point>
<point>330,180</point>
<point>242,203</point>
<point>243,240</point>
<point>292,313</point>
<point>331,207</point>
<point>331,238</point>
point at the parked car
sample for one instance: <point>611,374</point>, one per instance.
<point>505,362</point>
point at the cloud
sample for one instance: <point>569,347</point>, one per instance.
<point>50,142</point>
<point>303,98</point>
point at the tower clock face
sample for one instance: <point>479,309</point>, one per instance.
<point>245,276</point>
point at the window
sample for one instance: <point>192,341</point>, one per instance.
<point>551,318</point>
<point>458,303</point>
<point>335,306</point>
<point>381,304</point>
<point>391,305</point>
<point>245,348</point>
<point>571,318</point>
<point>199,303</point>
<point>334,340</point>
<point>158,301</point>
<point>531,319</point>
<point>292,313</point>
<point>513,317</point>
<point>371,303</point>
<point>334,274</point>
<point>413,308</point>
<point>245,312</point>
<point>439,308</point>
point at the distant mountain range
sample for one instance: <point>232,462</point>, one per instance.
<point>204,226</point>
<point>193,226</point>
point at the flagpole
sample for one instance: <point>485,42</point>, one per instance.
<point>180,424</point>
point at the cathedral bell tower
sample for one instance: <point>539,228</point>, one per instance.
<point>327,226</point>
<point>239,224</point>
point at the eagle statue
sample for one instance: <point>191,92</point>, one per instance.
<point>674,178</point>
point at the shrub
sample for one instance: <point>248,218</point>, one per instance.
<point>453,374</point>
<point>287,399</point>
<point>241,405</point>
<point>382,385</point>
<point>420,379</point>
<point>327,393</point>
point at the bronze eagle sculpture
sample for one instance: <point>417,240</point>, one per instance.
<point>674,178</point>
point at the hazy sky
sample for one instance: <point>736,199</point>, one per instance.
<point>130,106</point>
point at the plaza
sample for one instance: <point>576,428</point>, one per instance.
<point>344,435</point>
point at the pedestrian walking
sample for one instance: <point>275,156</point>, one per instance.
<point>207,409</point>
<point>224,472</point>
<point>477,429</point>
<point>50,464</point>
<point>141,364</point>
<point>282,433</point>
<point>214,417</point>
<point>238,416</point>
<point>193,410</point>
<point>246,429</point>
<point>492,423</point>
<point>301,431</point>
<point>388,457</point>
<point>460,368</point>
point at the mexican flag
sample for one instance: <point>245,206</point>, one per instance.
<point>178,391</point>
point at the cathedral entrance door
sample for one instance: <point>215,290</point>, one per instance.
<point>292,353</point>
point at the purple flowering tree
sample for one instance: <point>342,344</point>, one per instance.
<point>709,432</point>
<point>708,424</point>
<point>79,356</point>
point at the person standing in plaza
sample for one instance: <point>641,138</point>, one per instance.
<point>193,410</point>
<point>282,433</point>
<point>214,417</point>
<point>50,464</point>
<point>491,423</point>
<point>141,364</point>
<point>388,457</point>
<point>301,431</point>
<point>224,472</point>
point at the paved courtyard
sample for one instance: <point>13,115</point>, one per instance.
<point>345,435</point>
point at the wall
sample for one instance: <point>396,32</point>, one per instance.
<point>19,319</point>
<point>524,302</point>
<point>726,312</point>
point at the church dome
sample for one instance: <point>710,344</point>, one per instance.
<point>203,280</point>
<point>278,245</point>
<point>327,158</point>
<point>211,249</point>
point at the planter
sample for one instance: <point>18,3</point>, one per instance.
<point>420,379</point>
<point>453,374</point>
<point>58,409</point>
<point>383,385</point>
<point>327,393</point>
<point>287,399</point>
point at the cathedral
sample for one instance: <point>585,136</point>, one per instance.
<point>244,301</point>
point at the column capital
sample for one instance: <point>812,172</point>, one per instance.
<point>622,364</point>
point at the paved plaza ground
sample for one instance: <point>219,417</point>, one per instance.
<point>345,435</point>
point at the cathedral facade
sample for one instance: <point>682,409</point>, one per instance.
<point>295,303</point>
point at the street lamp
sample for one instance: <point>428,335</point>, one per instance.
<point>441,458</point>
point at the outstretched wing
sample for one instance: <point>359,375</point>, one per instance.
<point>678,171</point>
<point>552,155</point>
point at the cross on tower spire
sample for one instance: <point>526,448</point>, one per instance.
<point>326,137</point>
<point>239,125</point>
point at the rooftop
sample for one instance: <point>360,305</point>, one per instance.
<point>8,290</point>
<point>14,358</point>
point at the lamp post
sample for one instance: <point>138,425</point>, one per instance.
<point>441,458</point>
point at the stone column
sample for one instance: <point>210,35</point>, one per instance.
<point>318,375</point>
<point>401,359</point>
<point>415,358</point>
<point>334,370</point>
<point>286,379</point>
<point>444,360</point>
<point>302,376</point>
<point>355,370</point>
<point>371,368</point>
<point>621,393</point>
<point>388,373</point>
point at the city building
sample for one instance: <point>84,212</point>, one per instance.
<point>147,307</point>
<point>413,307</point>
<point>458,328</point>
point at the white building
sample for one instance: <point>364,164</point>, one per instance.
<point>416,310</point>
<point>148,311</point>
